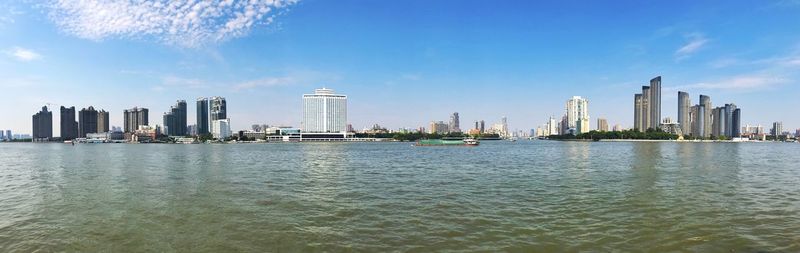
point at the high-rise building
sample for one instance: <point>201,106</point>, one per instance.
<point>218,108</point>
<point>439,127</point>
<point>135,117</point>
<point>324,112</point>
<point>777,129</point>
<point>69,127</point>
<point>87,121</point>
<point>718,122</point>
<point>655,103</point>
<point>705,101</point>
<point>736,126</point>
<point>684,105</point>
<point>730,131</point>
<point>578,110</point>
<point>454,123</point>
<point>175,119</point>
<point>42,125</point>
<point>602,125</point>
<point>483,126</point>
<point>221,128</point>
<point>504,126</point>
<point>8,135</point>
<point>645,108</point>
<point>552,126</point>
<point>698,121</point>
<point>103,125</point>
<point>202,116</point>
<point>638,120</point>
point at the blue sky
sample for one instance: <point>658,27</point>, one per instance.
<point>402,63</point>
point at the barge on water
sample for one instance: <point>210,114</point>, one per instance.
<point>448,142</point>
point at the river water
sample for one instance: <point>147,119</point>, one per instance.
<point>539,196</point>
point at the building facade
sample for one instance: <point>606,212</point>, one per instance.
<point>705,101</point>
<point>135,117</point>
<point>69,127</point>
<point>202,120</point>
<point>324,112</point>
<point>42,125</point>
<point>218,108</point>
<point>455,125</point>
<point>684,109</point>
<point>175,119</point>
<point>655,102</point>
<point>87,121</point>
<point>221,128</point>
<point>602,125</point>
<point>577,109</point>
<point>103,121</point>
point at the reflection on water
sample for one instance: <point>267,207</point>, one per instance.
<point>501,196</point>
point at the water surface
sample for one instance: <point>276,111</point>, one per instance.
<point>300,197</point>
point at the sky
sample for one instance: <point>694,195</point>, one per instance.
<point>401,63</point>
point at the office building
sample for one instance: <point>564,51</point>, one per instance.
<point>202,116</point>
<point>42,125</point>
<point>103,125</point>
<point>736,126</point>
<point>135,117</point>
<point>645,109</point>
<point>69,127</point>
<point>638,122</point>
<point>655,102</point>
<point>718,122</point>
<point>577,109</point>
<point>698,121</point>
<point>175,120</point>
<point>777,129</point>
<point>730,131</point>
<point>454,123</point>
<point>705,101</point>
<point>602,125</point>
<point>221,128</point>
<point>218,108</point>
<point>684,107</point>
<point>324,112</point>
<point>87,121</point>
<point>439,127</point>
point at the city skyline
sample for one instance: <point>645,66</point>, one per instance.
<point>509,64</point>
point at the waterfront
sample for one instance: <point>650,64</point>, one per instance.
<point>542,196</point>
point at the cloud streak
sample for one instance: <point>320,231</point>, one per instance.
<point>739,83</point>
<point>185,23</point>
<point>23,54</point>
<point>696,42</point>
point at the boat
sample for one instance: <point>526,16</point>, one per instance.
<point>448,142</point>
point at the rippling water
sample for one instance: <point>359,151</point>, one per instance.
<point>524,196</point>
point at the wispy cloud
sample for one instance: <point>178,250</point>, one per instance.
<point>696,41</point>
<point>23,54</point>
<point>753,82</point>
<point>190,83</point>
<point>265,82</point>
<point>186,23</point>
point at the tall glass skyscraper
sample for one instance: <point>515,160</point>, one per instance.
<point>684,107</point>
<point>324,112</point>
<point>202,116</point>
<point>655,103</point>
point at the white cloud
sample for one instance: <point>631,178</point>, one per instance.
<point>23,54</point>
<point>186,23</point>
<point>264,82</point>
<point>740,83</point>
<point>696,42</point>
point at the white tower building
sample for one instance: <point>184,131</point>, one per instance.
<point>324,112</point>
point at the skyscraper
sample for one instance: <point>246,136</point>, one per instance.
<point>655,103</point>
<point>69,127</point>
<point>638,122</point>
<point>135,117</point>
<point>218,108</point>
<point>483,126</point>
<point>578,110</point>
<point>175,119</point>
<point>103,125</point>
<point>645,108</point>
<point>454,123</point>
<point>324,112</point>
<point>698,121</point>
<point>684,105</point>
<point>705,101</point>
<point>87,121</point>
<point>43,125</point>
<point>777,129</point>
<point>737,123</point>
<point>602,125</point>
<point>202,116</point>
<point>729,121</point>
